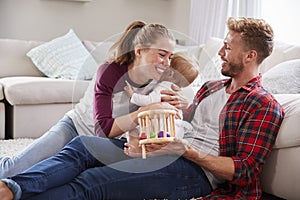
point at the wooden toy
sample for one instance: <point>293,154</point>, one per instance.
<point>156,126</point>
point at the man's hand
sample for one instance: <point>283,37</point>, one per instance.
<point>132,150</point>
<point>178,146</point>
<point>132,147</point>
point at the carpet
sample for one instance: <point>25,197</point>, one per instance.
<point>11,147</point>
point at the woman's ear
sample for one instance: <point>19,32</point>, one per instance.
<point>137,50</point>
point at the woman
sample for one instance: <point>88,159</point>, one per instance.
<point>96,167</point>
<point>141,55</point>
<point>78,121</point>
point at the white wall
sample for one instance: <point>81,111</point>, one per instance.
<point>96,20</point>
<point>283,17</point>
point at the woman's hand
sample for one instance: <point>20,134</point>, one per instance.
<point>173,98</point>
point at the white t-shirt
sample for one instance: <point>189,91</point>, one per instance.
<point>82,113</point>
<point>205,134</point>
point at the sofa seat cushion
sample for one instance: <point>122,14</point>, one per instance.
<point>288,135</point>
<point>1,92</point>
<point>42,90</point>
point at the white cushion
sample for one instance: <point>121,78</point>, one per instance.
<point>284,78</point>
<point>281,52</point>
<point>207,58</point>
<point>42,90</point>
<point>210,71</point>
<point>209,62</point>
<point>98,50</point>
<point>288,135</point>
<point>64,57</point>
<point>210,50</point>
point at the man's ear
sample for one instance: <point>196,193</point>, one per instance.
<point>252,54</point>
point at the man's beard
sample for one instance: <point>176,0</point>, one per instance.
<point>233,70</point>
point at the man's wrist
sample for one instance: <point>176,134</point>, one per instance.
<point>190,153</point>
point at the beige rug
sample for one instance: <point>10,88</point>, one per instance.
<point>11,147</point>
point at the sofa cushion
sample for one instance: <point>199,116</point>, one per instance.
<point>209,62</point>
<point>288,135</point>
<point>64,57</point>
<point>210,50</point>
<point>281,52</point>
<point>98,50</point>
<point>42,90</point>
<point>14,61</point>
<point>284,78</point>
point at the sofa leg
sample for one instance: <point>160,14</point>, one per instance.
<point>8,120</point>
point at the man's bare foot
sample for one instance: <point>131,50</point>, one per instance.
<point>5,192</point>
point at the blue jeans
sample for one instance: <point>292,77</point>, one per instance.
<point>96,168</point>
<point>44,147</point>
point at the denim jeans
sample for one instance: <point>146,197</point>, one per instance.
<point>97,168</point>
<point>44,147</point>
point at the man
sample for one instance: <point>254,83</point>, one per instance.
<point>235,124</point>
<point>249,121</point>
<point>251,118</point>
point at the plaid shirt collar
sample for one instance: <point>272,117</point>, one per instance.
<point>211,87</point>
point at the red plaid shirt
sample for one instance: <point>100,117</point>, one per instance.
<point>249,123</point>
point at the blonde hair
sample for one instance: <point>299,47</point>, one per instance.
<point>137,33</point>
<point>183,70</point>
<point>255,33</point>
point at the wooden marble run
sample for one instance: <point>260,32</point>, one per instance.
<point>156,126</point>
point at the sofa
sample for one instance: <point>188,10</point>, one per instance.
<point>32,100</point>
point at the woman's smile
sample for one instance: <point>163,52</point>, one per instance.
<point>160,69</point>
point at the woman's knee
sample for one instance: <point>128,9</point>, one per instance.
<point>78,140</point>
